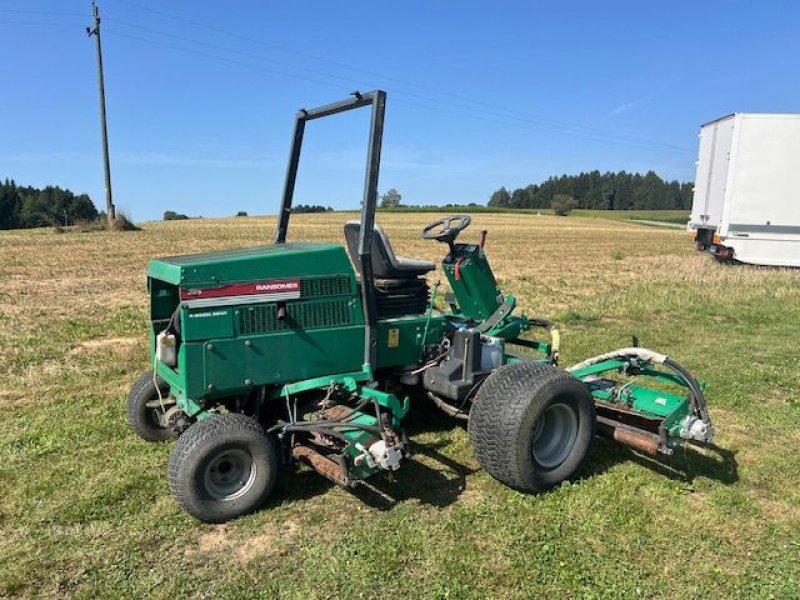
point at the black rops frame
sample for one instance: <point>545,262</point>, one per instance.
<point>376,99</point>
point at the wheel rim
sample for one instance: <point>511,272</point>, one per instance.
<point>554,435</point>
<point>230,474</point>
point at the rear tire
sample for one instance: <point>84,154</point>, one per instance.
<point>532,426</point>
<point>144,408</point>
<point>223,467</point>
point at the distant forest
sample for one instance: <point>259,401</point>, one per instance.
<point>310,208</point>
<point>26,206</point>
<point>604,191</point>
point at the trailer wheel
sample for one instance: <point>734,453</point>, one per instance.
<point>532,426</point>
<point>223,467</point>
<point>146,413</point>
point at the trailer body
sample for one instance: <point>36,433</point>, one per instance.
<point>747,189</point>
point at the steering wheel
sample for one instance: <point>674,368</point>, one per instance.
<point>446,230</point>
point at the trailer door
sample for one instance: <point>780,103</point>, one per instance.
<point>766,178</point>
<point>712,173</point>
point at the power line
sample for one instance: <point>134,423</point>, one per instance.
<point>599,140</point>
<point>533,124</point>
<point>496,110</point>
<point>36,23</point>
<point>220,58</point>
<point>546,123</point>
<point>228,50</point>
<point>479,115</point>
<point>517,119</point>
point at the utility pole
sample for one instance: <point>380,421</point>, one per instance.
<point>110,212</point>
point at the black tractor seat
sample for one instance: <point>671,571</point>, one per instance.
<point>385,265</point>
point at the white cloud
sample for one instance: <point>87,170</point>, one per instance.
<point>627,107</point>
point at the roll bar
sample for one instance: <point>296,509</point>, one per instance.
<point>376,99</point>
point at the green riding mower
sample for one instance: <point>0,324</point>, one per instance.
<point>312,352</point>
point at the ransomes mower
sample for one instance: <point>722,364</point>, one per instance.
<point>312,352</point>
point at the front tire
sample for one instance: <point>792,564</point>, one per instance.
<point>223,467</point>
<point>532,426</point>
<point>146,412</point>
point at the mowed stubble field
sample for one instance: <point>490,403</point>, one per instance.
<point>85,510</point>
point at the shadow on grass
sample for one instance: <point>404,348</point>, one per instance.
<point>685,465</point>
<point>437,487</point>
<point>432,478</point>
<point>415,480</point>
<point>297,483</point>
<point>428,475</point>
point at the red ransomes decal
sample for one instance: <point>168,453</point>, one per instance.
<point>283,286</point>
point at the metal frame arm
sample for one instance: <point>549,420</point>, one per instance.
<point>376,99</point>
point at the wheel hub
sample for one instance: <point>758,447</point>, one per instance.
<point>230,474</point>
<point>554,435</point>
<point>162,412</point>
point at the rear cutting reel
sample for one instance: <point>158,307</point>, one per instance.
<point>652,420</point>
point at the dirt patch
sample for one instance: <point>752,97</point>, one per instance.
<point>697,500</point>
<point>270,540</point>
<point>214,540</point>
<point>775,509</point>
<point>265,543</point>
<point>470,495</point>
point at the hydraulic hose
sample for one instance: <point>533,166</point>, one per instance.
<point>325,427</point>
<point>447,408</point>
<point>625,353</point>
<point>697,399</point>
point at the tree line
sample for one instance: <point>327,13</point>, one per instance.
<point>604,191</point>
<point>310,208</point>
<point>171,215</point>
<point>26,206</point>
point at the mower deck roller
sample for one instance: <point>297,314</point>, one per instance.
<point>311,352</point>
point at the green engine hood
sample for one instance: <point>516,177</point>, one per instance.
<point>298,259</point>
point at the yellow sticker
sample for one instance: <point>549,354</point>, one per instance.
<point>394,338</point>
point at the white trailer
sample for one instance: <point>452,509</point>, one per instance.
<point>747,189</point>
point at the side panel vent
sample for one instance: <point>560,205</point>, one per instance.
<point>263,318</point>
<point>337,285</point>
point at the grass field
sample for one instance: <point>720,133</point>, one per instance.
<point>85,510</point>
<point>665,216</point>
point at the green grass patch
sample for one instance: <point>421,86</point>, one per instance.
<point>85,510</point>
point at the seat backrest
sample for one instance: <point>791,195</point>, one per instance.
<point>384,262</point>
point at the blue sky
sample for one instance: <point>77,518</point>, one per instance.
<point>201,95</point>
